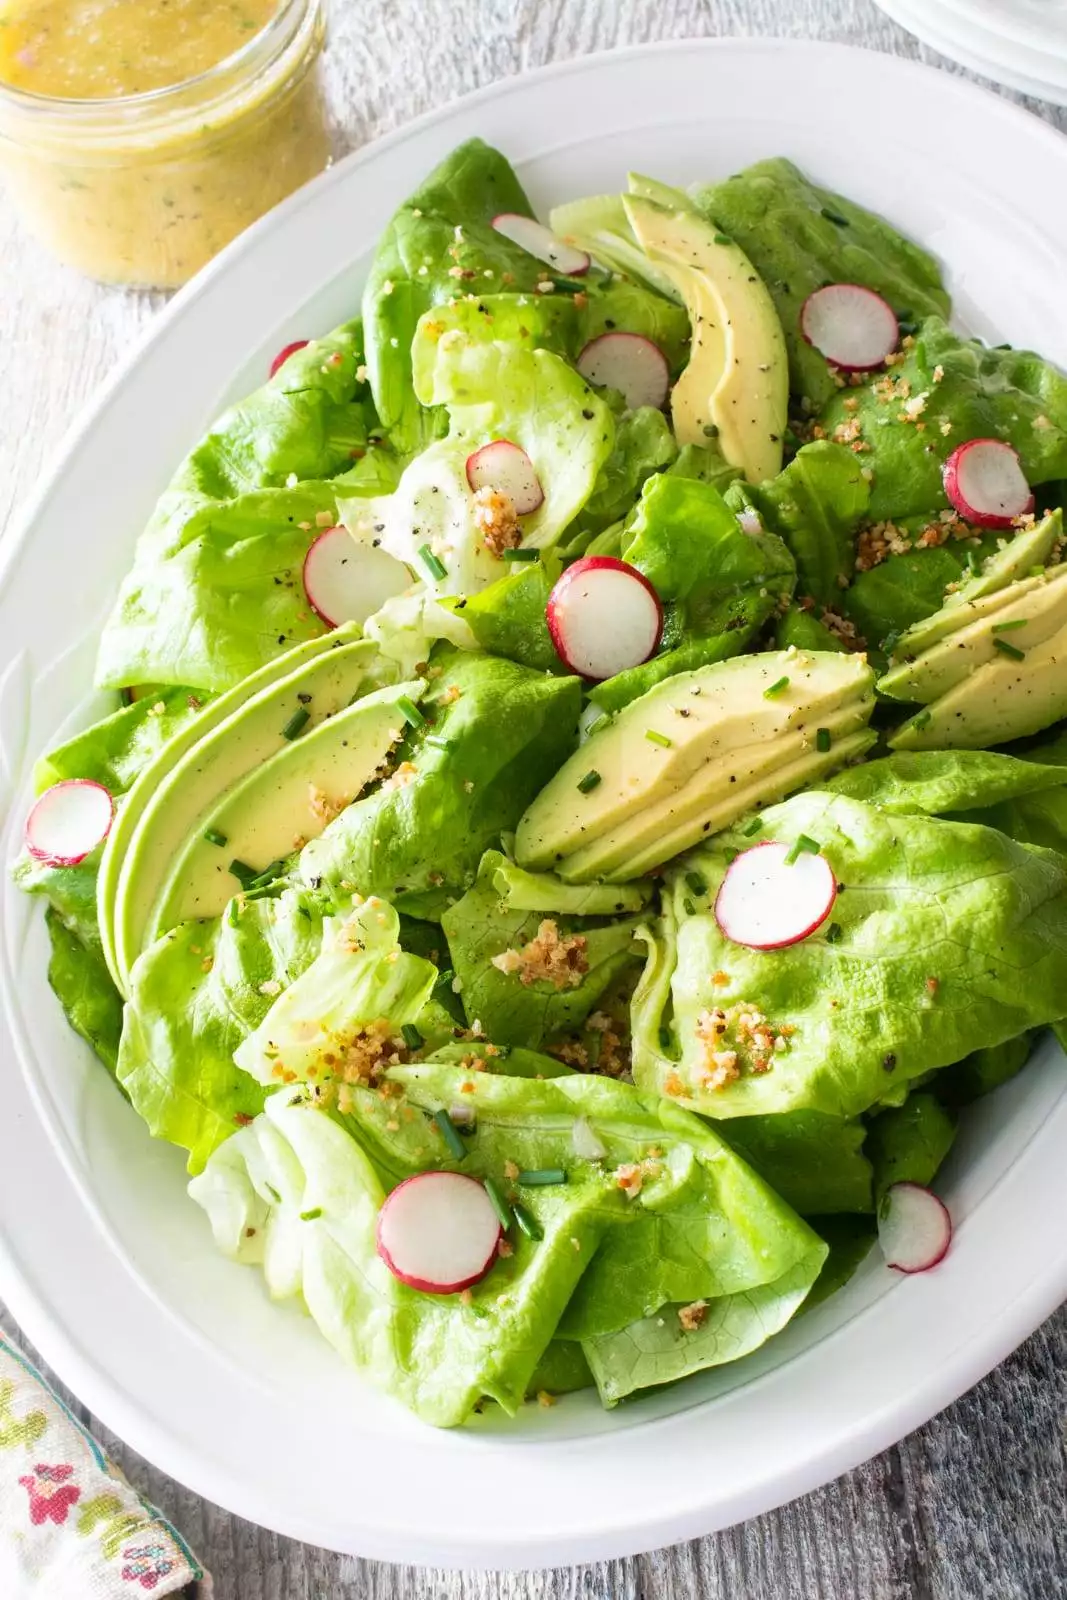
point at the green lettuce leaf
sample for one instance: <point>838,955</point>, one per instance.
<point>800,237</point>
<point>295,1194</point>
<point>983,1071</point>
<point>849,1240</point>
<point>936,782</point>
<point>359,976</point>
<point>718,583</point>
<point>483,927</point>
<point>498,732</point>
<point>958,389</point>
<point>948,937</point>
<point>195,996</point>
<point>82,984</point>
<point>215,590</point>
<point>508,618</point>
<point>908,1143</point>
<point>816,1163</point>
<point>814,506</point>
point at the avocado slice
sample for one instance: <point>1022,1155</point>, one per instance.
<point>1003,700</point>
<point>684,738</point>
<point>279,805</point>
<point>239,743</point>
<point>736,384</point>
<point>148,782</point>
<point>1031,612</point>
<point>987,589</point>
<point>764,775</point>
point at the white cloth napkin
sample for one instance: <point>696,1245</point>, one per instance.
<point>71,1528</point>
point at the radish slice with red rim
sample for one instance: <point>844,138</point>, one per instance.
<point>914,1228</point>
<point>68,821</point>
<point>854,328</point>
<point>767,901</point>
<point>604,616</point>
<point>505,467</point>
<point>539,241</point>
<point>986,483</point>
<point>438,1232</point>
<point>347,582</point>
<point>283,355</point>
<point>630,363</point>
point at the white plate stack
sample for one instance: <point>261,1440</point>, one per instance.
<point>1020,43</point>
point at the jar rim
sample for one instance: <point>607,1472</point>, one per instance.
<point>259,53</point>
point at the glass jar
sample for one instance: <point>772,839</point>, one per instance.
<point>144,189</point>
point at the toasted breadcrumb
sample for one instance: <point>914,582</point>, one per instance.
<point>271,987</point>
<point>544,1399</point>
<point>550,957</point>
<point>630,1179</point>
<point>322,808</point>
<point>496,519</point>
<point>405,772</point>
<point>691,1317</point>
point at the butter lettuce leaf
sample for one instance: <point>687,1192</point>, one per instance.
<point>938,782</point>
<point>514,1006</point>
<point>908,1143</point>
<point>814,506</point>
<point>816,1163</point>
<point>498,733</point>
<point>957,389</point>
<point>195,996</point>
<point>800,237</point>
<point>83,986</point>
<point>948,937</point>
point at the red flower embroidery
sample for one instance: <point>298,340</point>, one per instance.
<point>51,1496</point>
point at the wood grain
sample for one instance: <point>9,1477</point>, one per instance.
<point>972,1505</point>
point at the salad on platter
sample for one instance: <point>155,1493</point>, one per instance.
<point>584,808</point>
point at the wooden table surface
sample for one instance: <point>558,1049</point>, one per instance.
<point>972,1505</point>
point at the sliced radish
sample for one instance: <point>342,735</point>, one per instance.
<point>604,616</point>
<point>630,363</point>
<point>986,484</point>
<point>283,355</point>
<point>68,822</point>
<point>767,902</point>
<point>539,241</point>
<point>438,1232</point>
<point>507,468</point>
<point>914,1228</point>
<point>347,582</point>
<point>853,327</point>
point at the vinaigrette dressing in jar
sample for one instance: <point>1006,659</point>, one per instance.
<point>140,136</point>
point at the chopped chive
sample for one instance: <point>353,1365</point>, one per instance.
<point>312,1215</point>
<point>755,826</point>
<point>601,722</point>
<point>522,555</point>
<point>1007,649</point>
<point>974,565</point>
<point>438,741</point>
<point>688,907</point>
<point>410,712</point>
<point>433,564</point>
<point>655,737</point>
<point>498,1203</point>
<point>244,874</point>
<point>723,238</point>
<point>804,846</point>
<point>412,1037</point>
<point>213,836</point>
<point>450,1134</point>
<point>541,1177</point>
<point>835,217</point>
<point>922,720</point>
<point>589,782</point>
<point>833,933</point>
<point>697,882</point>
<point>776,688</point>
<point>822,740</point>
<point>528,1223</point>
<point>1010,627</point>
<point>297,723</point>
<point>665,1037</point>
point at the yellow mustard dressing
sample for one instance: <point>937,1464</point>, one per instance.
<point>100,49</point>
<point>140,136</point>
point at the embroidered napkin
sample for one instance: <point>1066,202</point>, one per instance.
<point>71,1528</point>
